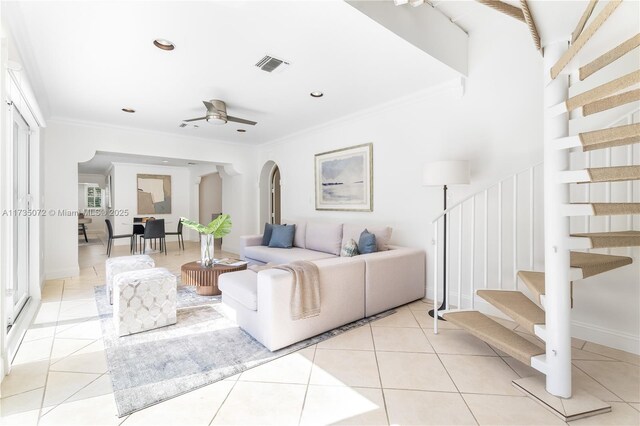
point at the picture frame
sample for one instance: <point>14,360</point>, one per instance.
<point>154,194</point>
<point>344,179</point>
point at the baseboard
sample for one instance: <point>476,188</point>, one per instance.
<point>62,273</point>
<point>605,336</point>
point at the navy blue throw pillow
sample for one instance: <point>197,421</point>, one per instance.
<point>282,236</point>
<point>367,243</point>
<point>266,235</point>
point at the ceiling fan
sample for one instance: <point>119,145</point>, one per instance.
<point>217,114</point>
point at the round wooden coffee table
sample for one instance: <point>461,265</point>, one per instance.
<point>206,279</point>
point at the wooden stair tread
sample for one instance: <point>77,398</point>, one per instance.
<point>594,263</point>
<point>600,92</point>
<point>609,56</point>
<point>612,239</point>
<point>497,335</point>
<point>613,136</point>
<point>590,263</point>
<point>611,102</point>
<point>609,209</point>
<point>534,281</point>
<point>516,305</point>
<point>613,174</point>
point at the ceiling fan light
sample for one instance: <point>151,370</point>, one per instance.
<point>216,119</point>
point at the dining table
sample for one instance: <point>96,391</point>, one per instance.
<point>82,222</point>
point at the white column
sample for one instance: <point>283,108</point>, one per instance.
<point>556,233</point>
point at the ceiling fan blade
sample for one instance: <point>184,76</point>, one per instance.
<point>209,106</point>
<point>195,119</point>
<point>241,120</point>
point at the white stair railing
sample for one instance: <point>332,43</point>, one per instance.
<point>497,226</point>
<point>519,245</point>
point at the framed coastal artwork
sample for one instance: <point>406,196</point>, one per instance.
<point>154,194</point>
<point>344,179</point>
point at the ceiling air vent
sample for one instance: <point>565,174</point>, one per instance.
<point>270,64</point>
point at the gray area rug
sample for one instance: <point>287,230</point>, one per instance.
<point>203,347</point>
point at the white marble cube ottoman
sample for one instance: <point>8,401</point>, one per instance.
<point>144,300</point>
<point>117,265</point>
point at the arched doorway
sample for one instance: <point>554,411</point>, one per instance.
<point>270,193</point>
<point>275,196</point>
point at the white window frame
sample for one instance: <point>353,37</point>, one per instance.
<point>86,196</point>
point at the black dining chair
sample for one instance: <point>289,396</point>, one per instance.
<point>113,237</point>
<point>138,230</point>
<point>179,234</point>
<point>154,229</point>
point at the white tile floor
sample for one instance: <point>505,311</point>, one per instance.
<point>393,371</point>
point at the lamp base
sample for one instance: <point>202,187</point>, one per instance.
<point>433,312</point>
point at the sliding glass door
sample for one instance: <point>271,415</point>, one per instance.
<point>19,284</point>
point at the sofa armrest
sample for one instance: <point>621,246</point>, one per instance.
<point>393,278</point>
<point>248,241</point>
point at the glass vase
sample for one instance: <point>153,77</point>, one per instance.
<point>207,250</point>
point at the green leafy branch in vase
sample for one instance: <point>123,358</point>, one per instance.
<point>217,228</point>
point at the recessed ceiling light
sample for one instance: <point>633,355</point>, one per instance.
<point>165,161</point>
<point>163,44</point>
<point>129,110</point>
<point>317,94</point>
<point>241,130</point>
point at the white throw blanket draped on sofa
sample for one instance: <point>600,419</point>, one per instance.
<point>305,291</point>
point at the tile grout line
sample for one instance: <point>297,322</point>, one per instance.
<point>454,383</point>
<point>224,400</point>
<point>597,381</point>
<point>76,392</point>
<point>306,390</point>
<point>46,381</point>
<point>384,398</point>
<point>71,354</point>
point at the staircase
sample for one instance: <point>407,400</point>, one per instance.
<point>548,316</point>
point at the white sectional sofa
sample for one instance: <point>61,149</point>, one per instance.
<point>351,288</point>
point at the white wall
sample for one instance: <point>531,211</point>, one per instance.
<point>210,196</point>
<point>125,201</point>
<point>497,125</point>
<point>67,144</point>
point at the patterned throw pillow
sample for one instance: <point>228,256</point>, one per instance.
<point>350,249</point>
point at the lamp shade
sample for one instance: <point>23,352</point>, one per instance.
<point>441,173</point>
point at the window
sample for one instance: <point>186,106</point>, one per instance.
<point>94,197</point>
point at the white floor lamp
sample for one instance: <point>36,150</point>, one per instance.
<point>443,173</point>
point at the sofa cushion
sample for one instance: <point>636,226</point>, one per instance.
<point>282,236</point>
<point>299,237</point>
<point>367,243</point>
<point>324,237</point>
<point>382,233</point>
<point>241,286</point>
<point>280,256</point>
